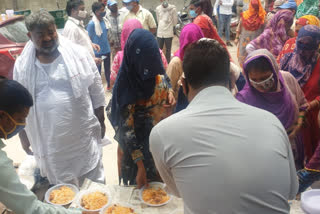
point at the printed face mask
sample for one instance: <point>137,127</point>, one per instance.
<point>265,85</point>
<point>15,130</point>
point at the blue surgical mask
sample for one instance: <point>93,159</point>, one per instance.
<point>193,13</point>
<point>129,7</point>
<point>15,130</point>
<point>103,14</point>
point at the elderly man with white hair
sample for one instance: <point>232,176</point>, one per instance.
<point>66,123</point>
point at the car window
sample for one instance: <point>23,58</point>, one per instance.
<point>16,32</point>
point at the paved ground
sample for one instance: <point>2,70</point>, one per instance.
<point>16,153</point>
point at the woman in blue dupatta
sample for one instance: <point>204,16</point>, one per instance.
<point>139,100</point>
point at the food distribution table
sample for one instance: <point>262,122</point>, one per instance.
<point>130,196</point>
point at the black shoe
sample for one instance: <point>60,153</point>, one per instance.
<point>229,44</point>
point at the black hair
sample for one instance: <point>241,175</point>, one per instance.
<point>14,97</point>
<point>206,63</point>
<point>40,19</point>
<point>97,6</point>
<point>73,4</point>
<point>197,3</point>
<point>261,64</point>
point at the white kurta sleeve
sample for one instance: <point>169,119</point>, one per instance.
<point>157,150</point>
<point>96,89</point>
<point>16,70</point>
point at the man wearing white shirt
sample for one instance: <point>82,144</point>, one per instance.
<point>219,155</point>
<point>167,19</point>
<point>66,123</point>
<point>225,11</point>
<point>74,29</point>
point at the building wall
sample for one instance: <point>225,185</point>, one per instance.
<point>53,4</point>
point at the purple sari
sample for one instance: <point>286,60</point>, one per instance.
<point>275,35</point>
<point>280,103</point>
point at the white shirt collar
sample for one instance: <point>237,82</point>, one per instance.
<point>76,21</point>
<point>217,93</point>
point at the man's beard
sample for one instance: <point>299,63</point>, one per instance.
<point>50,50</point>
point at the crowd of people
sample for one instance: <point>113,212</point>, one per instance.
<point>225,138</point>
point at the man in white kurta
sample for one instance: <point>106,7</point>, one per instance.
<point>64,128</point>
<point>74,28</point>
<point>219,155</point>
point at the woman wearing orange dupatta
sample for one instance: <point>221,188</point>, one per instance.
<point>250,27</point>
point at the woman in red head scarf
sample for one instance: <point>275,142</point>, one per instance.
<point>291,43</point>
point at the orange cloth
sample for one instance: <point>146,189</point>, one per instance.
<point>299,2</point>
<point>312,20</point>
<point>254,17</point>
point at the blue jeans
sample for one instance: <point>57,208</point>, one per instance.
<point>224,24</point>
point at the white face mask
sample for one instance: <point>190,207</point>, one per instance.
<point>82,14</point>
<point>265,85</point>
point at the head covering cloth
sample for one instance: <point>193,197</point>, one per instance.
<point>308,41</point>
<point>254,17</point>
<point>136,79</point>
<point>280,102</point>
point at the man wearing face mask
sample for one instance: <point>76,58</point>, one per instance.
<point>99,30</point>
<point>113,16</point>
<point>15,104</point>
<point>136,11</point>
<point>167,19</point>
<point>75,30</point>
<point>66,124</point>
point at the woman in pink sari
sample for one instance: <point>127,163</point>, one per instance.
<point>127,29</point>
